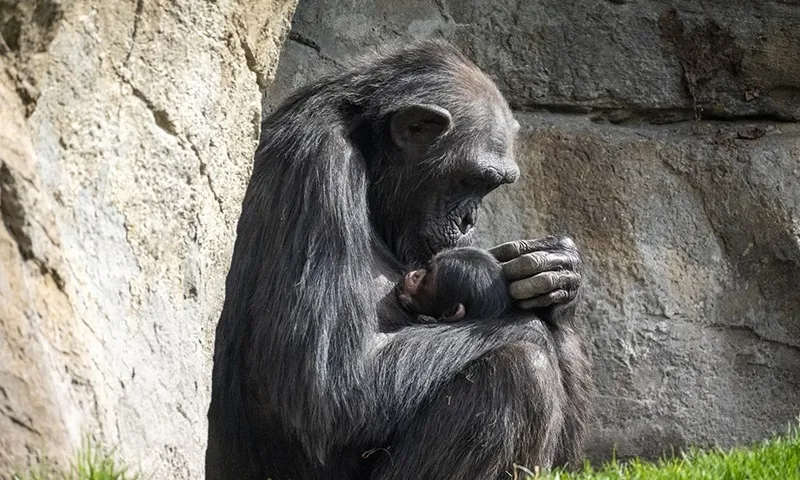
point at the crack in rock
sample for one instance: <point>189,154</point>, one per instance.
<point>160,116</point>
<point>20,423</point>
<point>13,216</point>
<point>631,114</point>
<point>137,16</point>
<point>309,42</point>
<point>204,173</point>
<point>252,64</point>
<point>752,332</point>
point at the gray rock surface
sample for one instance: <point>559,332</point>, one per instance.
<point>693,248</point>
<point>126,136</point>
<point>691,228</point>
<point>658,60</point>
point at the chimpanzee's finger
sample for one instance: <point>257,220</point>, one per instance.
<point>543,283</point>
<point>552,298</point>
<point>531,264</point>
<point>510,250</point>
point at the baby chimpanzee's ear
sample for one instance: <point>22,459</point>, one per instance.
<point>455,313</point>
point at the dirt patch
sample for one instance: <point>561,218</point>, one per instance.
<point>702,51</point>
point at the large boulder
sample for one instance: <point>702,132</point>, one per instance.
<point>127,131</point>
<point>691,228</point>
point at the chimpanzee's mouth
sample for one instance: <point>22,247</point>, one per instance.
<point>457,229</point>
<point>456,238</point>
<point>466,223</point>
<point>466,216</point>
<point>466,239</point>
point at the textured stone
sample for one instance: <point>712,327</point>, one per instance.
<point>661,60</point>
<point>691,230</point>
<point>36,318</point>
<point>127,132</point>
<point>693,254</point>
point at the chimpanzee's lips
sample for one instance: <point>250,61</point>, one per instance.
<point>466,239</point>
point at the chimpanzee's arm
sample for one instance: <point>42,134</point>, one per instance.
<point>545,277</point>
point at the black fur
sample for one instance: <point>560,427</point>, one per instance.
<point>469,276</point>
<point>306,382</point>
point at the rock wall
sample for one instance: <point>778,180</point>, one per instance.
<point>127,130</point>
<point>663,137</point>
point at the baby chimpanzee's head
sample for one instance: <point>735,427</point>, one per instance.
<point>456,284</point>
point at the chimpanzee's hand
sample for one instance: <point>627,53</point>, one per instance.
<point>542,272</point>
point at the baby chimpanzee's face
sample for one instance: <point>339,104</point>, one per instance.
<point>417,292</point>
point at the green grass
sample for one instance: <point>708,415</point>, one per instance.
<point>775,459</point>
<point>93,462</point>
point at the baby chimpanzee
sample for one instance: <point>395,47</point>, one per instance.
<point>462,283</point>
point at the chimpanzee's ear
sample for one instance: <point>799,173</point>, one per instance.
<point>419,125</point>
<point>455,313</point>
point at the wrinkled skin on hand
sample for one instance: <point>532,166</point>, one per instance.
<point>542,273</point>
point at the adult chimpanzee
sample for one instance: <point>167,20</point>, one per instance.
<point>357,177</point>
<point>457,284</point>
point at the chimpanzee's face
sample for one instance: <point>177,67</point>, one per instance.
<point>445,161</point>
